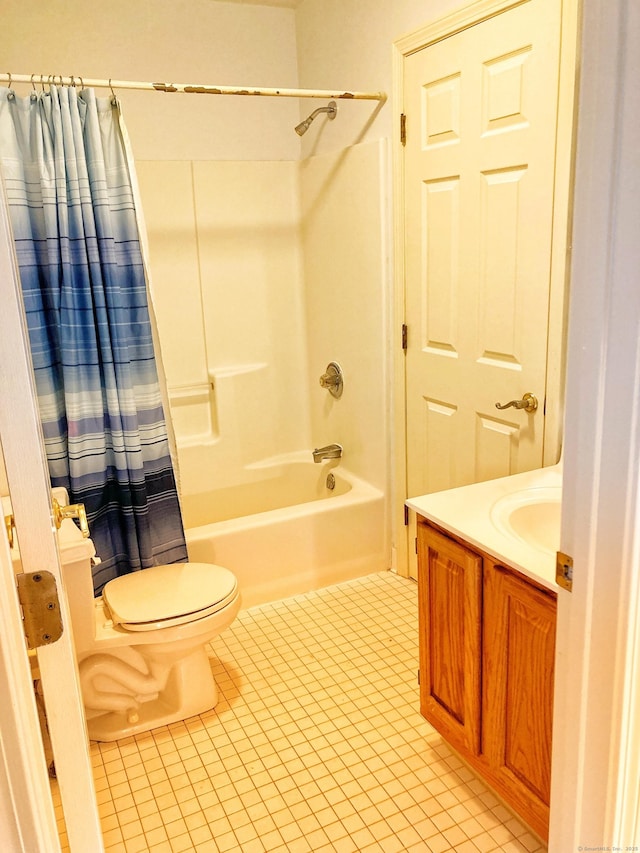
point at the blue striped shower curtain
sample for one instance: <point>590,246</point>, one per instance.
<point>71,206</point>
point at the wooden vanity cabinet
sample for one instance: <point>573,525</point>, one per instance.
<point>487,646</point>
<point>519,629</point>
<point>450,608</point>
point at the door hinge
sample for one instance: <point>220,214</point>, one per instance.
<point>564,571</point>
<point>403,129</point>
<point>38,596</point>
<point>406,515</point>
<point>418,676</point>
<point>404,336</point>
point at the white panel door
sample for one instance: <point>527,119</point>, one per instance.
<point>30,492</point>
<point>27,817</point>
<point>481,110</point>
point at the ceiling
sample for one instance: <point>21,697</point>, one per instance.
<point>281,4</point>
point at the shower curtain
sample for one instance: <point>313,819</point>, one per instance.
<point>68,189</point>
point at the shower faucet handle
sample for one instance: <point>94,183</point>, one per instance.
<point>329,380</point>
<point>71,511</point>
<point>332,379</point>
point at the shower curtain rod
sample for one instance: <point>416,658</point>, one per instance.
<point>189,88</point>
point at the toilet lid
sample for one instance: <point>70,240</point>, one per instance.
<point>170,594</point>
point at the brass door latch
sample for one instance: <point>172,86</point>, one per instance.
<point>564,571</point>
<point>10,526</point>
<point>71,511</point>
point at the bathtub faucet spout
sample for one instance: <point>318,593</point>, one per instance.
<point>331,451</point>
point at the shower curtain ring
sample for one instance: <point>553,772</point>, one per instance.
<point>114,100</point>
<point>9,76</point>
<point>34,94</point>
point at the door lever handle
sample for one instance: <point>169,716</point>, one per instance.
<point>529,403</point>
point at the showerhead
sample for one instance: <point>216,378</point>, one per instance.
<point>304,126</point>
<point>331,110</point>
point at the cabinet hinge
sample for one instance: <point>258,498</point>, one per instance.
<point>404,336</point>
<point>564,571</point>
<point>403,129</point>
<point>416,544</point>
<point>38,596</point>
<point>406,515</point>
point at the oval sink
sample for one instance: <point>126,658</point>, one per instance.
<point>532,516</point>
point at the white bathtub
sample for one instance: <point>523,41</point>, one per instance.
<point>295,534</point>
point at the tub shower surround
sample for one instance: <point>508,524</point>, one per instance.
<point>245,338</point>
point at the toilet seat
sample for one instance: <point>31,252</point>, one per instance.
<point>164,596</point>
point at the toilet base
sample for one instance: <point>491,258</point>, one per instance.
<point>190,689</point>
<point>152,715</point>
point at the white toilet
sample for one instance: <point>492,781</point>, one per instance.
<point>141,646</point>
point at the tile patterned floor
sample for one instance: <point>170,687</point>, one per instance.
<point>316,745</point>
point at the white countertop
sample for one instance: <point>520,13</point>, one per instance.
<point>467,512</point>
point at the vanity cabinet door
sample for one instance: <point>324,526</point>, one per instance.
<point>519,648</point>
<point>450,602</point>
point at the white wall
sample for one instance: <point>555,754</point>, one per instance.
<point>184,41</point>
